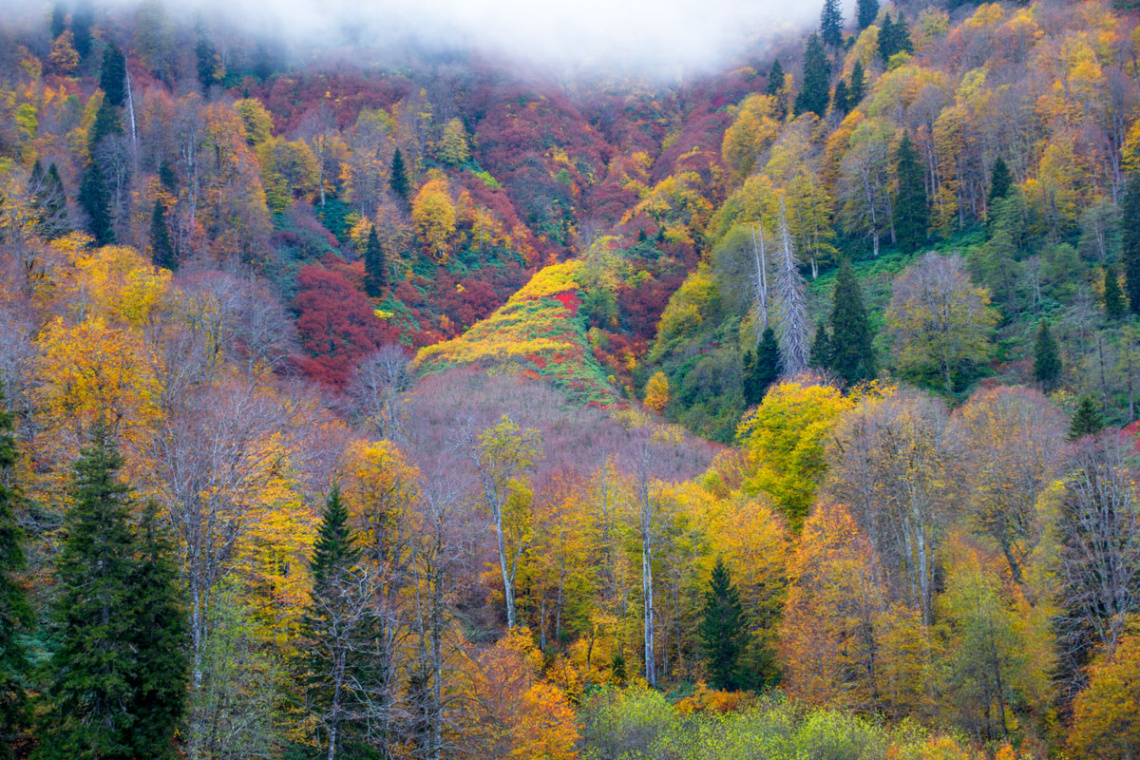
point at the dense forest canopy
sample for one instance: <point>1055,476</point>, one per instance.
<point>403,400</point>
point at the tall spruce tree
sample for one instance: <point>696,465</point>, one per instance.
<point>94,195</point>
<point>49,202</point>
<point>162,250</point>
<point>16,616</point>
<point>1130,250</point>
<point>858,85</point>
<point>776,78</point>
<point>852,355</point>
<point>1114,308</point>
<point>91,690</point>
<point>723,629</point>
<point>761,368</point>
<point>841,100</point>
<point>831,23</point>
<point>1087,420</point>
<point>815,91</point>
<point>113,76</point>
<point>1000,181</point>
<point>1046,358</point>
<point>58,23</point>
<point>894,38</point>
<point>398,177</point>
<point>375,266</point>
<point>866,11</point>
<point>821,350</point>
<point>912,213</point>
<point>81,22</point>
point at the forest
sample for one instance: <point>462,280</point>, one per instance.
<point>418,405</point>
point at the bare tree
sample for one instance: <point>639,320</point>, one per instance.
<point>793,327</point>
<point>377,389</point>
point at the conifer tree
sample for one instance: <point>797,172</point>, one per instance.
<point>95,200</point>
<point>912,214</point>
<point>49,202</point>
<point>398,177</point>
<point>16,617</point>
<point>1114,307</point>
<point>1087,420</point>
<point>1131,242</point>
<point>1000,181</point>
<point>375,266</point>
<point>841,100</point>
<point>81,22</point>
<point>815,91</point>
<point>58,23</point>
<point>776,78</point>
<point>107,122</point>
<point>113,76</point>
<point>866,11</point>
<point>761,368</point>
<point>856,90</point>
<point>894,38</point>
<point>162,250</point>
<point>1046,358</point>
<point>852,356</point>
<point>831,23</point>
<point>723,629</point>
<point>111,663</point>
<point>820,356</point>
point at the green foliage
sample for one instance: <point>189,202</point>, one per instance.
<point>821,350</point>
<point>761,368</point>
<point>894,38</point>
<point>1001,181</point>
<point>398,177</point>
<point>852,355</point>
<point>815,90</point>
<point>856,91</point>
<point>113,76</point>
<point>375,266</point>
<point>1046,358</point>
<point>1131,242</point>
<point>776,78</point>
<point>831,23</point>
<point>1114,307</point>
<point>95,200</point>
<point>866,12</point>
<point>723,630</point>
<point>162,250</point>
<point>912,213</point>
<point>16,618</point>
<point>1087,420</point>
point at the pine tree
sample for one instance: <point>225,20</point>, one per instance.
<point>841,100</point>
<point>1046,358</point>
<point>91,670</point>
<point>831,23</point>
<point>1000,181</point>
<point>1087,420</point>
<point>821,350</point>
<point>894,38</point>
<point>113,76</point>
<point>815,92</point>
<point>398,177</point>
<point>162,251</point>
<point>107,122</point>
<point>856,91</point>
<point>1114,308</point>
<point>776,78</point>
<point>58,22</point>
<point>912,214</point>
<point>16,617</point>
<point>866,12</point>
<point>761,368</point>
<point>340,624</point>
<point>208,62</point>
<point>81,22</point>
<point>95,200</point>
<point>723,629</point>
<point>852,356</point>
<point>49,202</point>
<point>375,266</point>
<point>1131,244</point>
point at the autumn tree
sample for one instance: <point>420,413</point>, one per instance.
<point>1106,715</point>
<point>723,629</point>
<point>1046,358</point>
<point>912,214</point>
<point>16,617</point>
<point>852,356</point>
<point>815,89</point>
<point>434,215</point>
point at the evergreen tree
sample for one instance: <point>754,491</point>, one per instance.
<point>866,12</point>
<point>852,357</point>
<point>375,266</point>
<point>1087,420</point>
<point>815,92</point>
<point>107,122</point>
<point>1131,244</point>
<point>761,368</point>
<point>162,250</point>
<point>209,64</point>
<point>339,624</point>
<point>113,76</point>
<point>776,78</point>
<point>841,100</point>
<point>81,22</point>
<point>894,38</point>
<point>91,671</point>
<point>16,617</point>
<point>49,202</point>
<point>1000,181</point>
<point>912,214</point>
<point>1114,307</point>
<point>1046,358</point>
<point>723,629</point>
<point>831,23</point>
<point>821,349</point>
<point>856,91</point>
<point>398,177</point>
<point>95,200</point>
<point>58,21</point>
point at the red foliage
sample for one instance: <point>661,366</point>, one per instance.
<point>570,300</point>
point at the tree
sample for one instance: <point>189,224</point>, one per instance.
<point>841,100</point>
<point>49,202</point>
<point>912,213</point>
<point>821,349</point>
<point>113,76</point>
<point>1046,358</point>
<point>852,356</point>
<point>1131,243</point>
<point>1087,420</point>
<point>16,618</point>
<point>1114,308</point>
<point>210,68</point>
<point>723,630</point>
<point>162,250</point>
<point>856,91</point>
<point>894,38</point>
<point>867,11</point>
<point>792,327</point>
<point>116,680</point>
<point>375,266</point>
<point>95,200</point>
<point>776,79</point>
<point>815,89</point>
<point>81,22</point>
<point>1001,181</point>
<point>398,177</point>
<point>657,392</point>
<point>1106,715</point>
<point>831,24</point>
<point>761,368</point>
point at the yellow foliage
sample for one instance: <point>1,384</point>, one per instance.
<point>657,392</point>
<point>755,128</point>
<point>115,282</point>
<point>1106,716</point>
<point>434,216</point>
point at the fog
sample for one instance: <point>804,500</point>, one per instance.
<point>640,37</point>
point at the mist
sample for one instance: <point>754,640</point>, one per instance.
<point>648,38</point>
